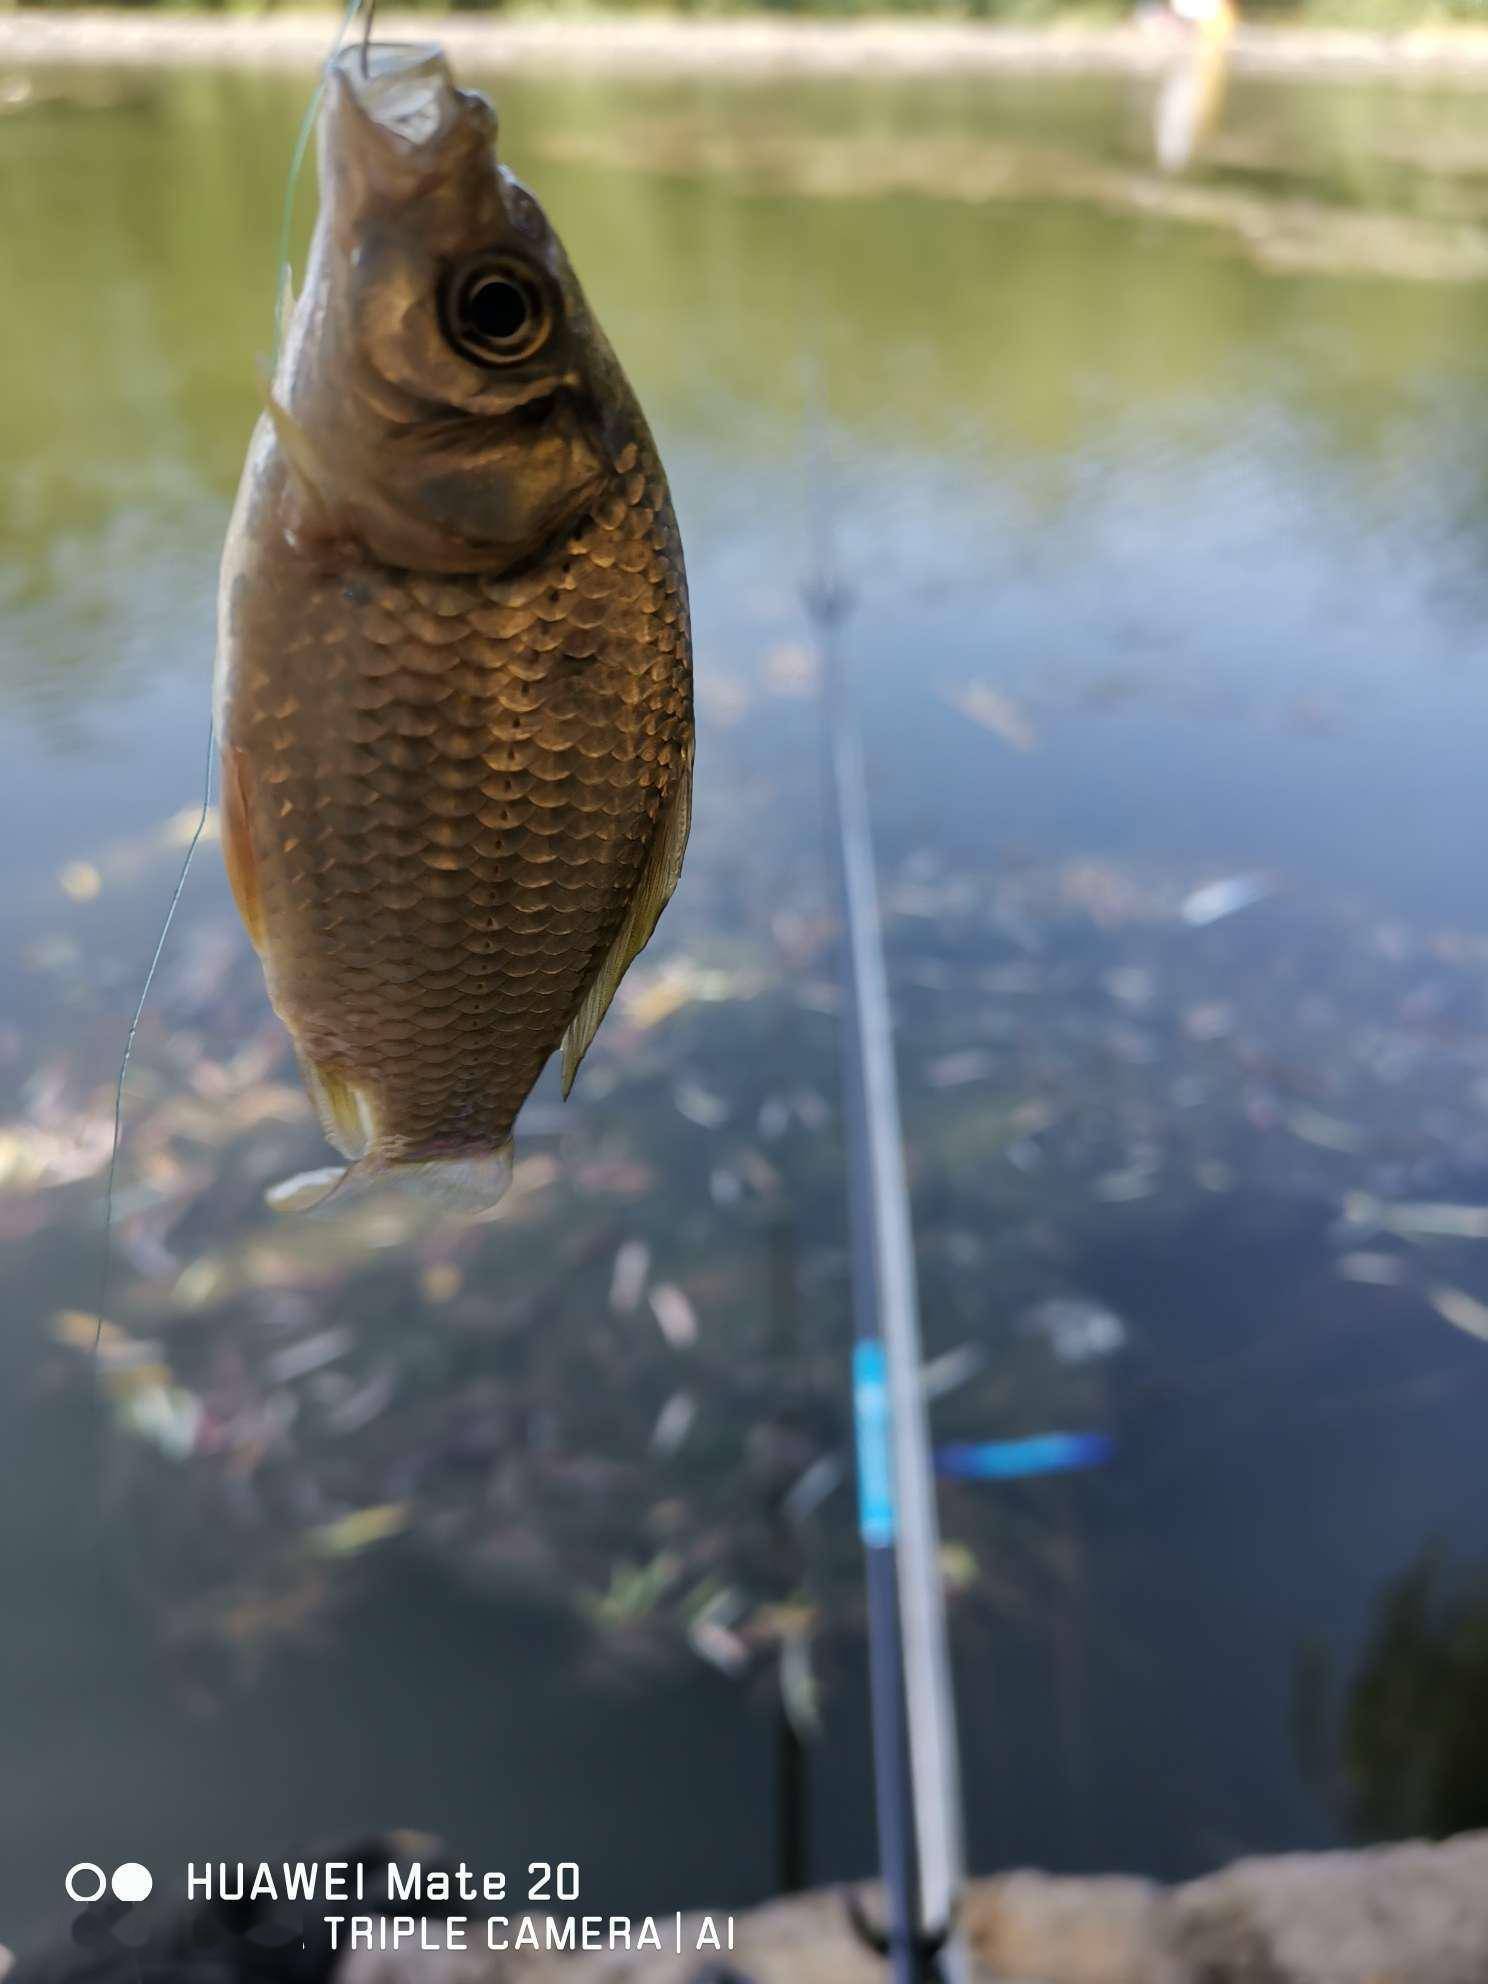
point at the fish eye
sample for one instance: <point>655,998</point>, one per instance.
<point>495,313</point>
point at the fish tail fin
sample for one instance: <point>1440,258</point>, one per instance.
<point>468,1186</point>
<point>309,1191</point>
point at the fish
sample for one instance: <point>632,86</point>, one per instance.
<point>453,687</point>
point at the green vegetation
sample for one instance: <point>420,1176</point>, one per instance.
<point>1405,1753</point>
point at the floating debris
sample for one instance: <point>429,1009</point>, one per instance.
<point>959,1570</point>
<point>719,1647</point>
<point>349,1535</point>
<point>674,1423</point>
<point>1327,1132</point>
<point>1417,1221</point>
<point>1075,1051</point>
<point>1461,1310</point>
<point>1225,898</point>
<point>971,1064</point>
<point>440,1282</point>
<point>359,1405</point>
<point>148,1404</point>
<point>1134,1181</point>
<point>701,1105</point>
<point>799,1693</point>
<point>791,670</point>
<point>80,881</point>
<point>823,1478</point>
<point>1131,984</point>
<point>635,1590</point>
<point>948,1373</point>
<point>298,1360</point>
<point>675,1315</point>
<point>1076,1329</point>
<point>628,1276</point>
<point>997,712</point>
<point>1374,1270</point>
<point>1211,1019</point>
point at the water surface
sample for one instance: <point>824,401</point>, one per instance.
<point>1189,475</point>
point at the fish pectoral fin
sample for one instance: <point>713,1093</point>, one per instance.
<point>652,893</point>
<point>317,511</point>
<point>237,844</point>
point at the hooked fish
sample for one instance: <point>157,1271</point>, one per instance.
<point>454,680</point>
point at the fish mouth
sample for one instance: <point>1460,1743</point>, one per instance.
<point>404,89</point>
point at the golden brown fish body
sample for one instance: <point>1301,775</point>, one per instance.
<point>454,673</point>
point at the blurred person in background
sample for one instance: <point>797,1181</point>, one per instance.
<point>1191,91</point>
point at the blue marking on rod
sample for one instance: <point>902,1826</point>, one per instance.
<point>1016,1460</point>
<point>876,1521</point>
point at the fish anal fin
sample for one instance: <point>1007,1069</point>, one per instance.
<point>237,845</point>
<point>652,893</point>
<point>347,1110</point>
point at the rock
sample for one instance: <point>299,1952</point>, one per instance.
<point>1413,1914</point>
<point>1106,1931</point>
<point>1393,1915</point>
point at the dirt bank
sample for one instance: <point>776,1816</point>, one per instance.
<point>1395,1915</point>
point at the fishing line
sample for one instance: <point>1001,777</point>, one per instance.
<point>134,1027</point>
<point>105,1274</point>
<point>296,163</point>
<point>297,157</point>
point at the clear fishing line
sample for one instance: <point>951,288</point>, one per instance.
<point>106,1559</point>
<point>134,1027</point>
<point>297,159</point>
<point>296,165</point>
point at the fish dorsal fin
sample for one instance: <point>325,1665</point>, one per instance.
<point>652,893</point>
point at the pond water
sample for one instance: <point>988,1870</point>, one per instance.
<point>1162,505</point>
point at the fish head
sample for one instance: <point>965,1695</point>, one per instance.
<point>445,399</point>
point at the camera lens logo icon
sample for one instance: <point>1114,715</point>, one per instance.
<point>87,1882</point>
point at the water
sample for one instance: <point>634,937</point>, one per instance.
<point>1191,472</point>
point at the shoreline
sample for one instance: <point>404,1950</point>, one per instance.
<point>738,45</point>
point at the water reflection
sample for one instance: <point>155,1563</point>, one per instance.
<point>1162,506</point>
<point>1402,1756</point>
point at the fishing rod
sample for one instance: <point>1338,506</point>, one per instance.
<point>916,1773</point>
